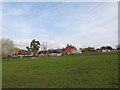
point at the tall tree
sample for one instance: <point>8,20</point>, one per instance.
<point>109,48</point>
<point>34,47</point>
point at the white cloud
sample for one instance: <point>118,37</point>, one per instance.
<point>54,44</point>
<point>24,28</point>
<point>22,43</point>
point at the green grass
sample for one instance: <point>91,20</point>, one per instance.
<point>75,71</point>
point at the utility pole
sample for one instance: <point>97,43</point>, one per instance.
<point>44,46</point>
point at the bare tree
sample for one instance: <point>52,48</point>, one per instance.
<point>7,47</point>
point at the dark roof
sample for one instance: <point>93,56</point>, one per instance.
<point>103,48</point>
<point>54,51</point>
<point>23,52</point>
<point>42,52</point>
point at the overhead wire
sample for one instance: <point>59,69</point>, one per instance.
<point>34,14</point>
<point>85,19</point>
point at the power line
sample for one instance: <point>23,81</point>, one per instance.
<point>82,18</point>
<point>33,9</point>
<point>99,13</point>
<point>34,14</point>
<point>86,19</point>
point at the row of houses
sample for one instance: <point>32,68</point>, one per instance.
<point>101,49</point>
<point>69,49</point>
<point>21,53</point>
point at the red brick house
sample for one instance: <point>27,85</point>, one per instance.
<point>21,53</point>
<point>69,50</point>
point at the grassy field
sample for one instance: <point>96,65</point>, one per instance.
<point>75,71</point>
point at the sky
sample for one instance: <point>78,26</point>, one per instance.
<point>82,24</point>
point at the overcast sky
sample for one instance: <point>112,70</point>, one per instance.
<point>81,24</point>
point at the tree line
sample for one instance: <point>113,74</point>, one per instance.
<point>7,47</point>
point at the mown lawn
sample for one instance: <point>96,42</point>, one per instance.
<point>75,71</point>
